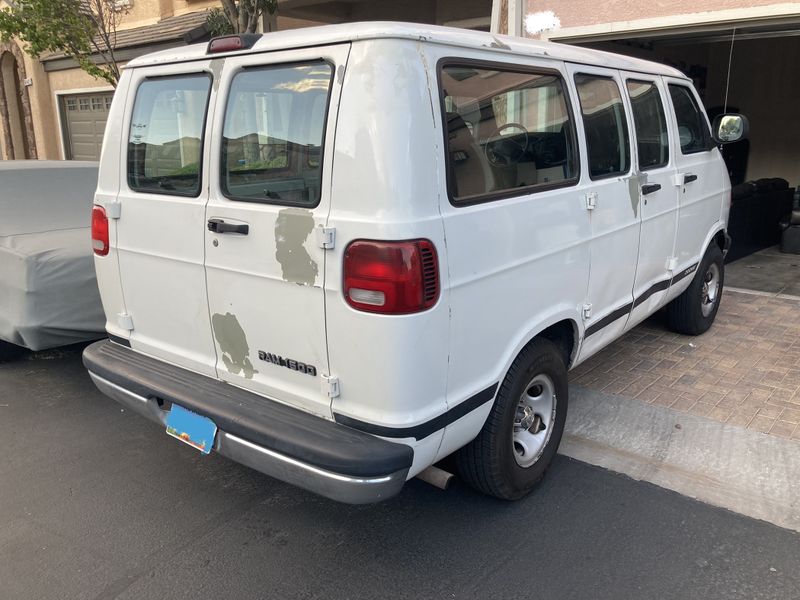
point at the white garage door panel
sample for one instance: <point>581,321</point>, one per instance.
<point>85,118</point>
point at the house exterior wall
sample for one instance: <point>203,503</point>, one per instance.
<point>579,13</point>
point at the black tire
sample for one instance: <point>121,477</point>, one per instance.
<point>9,352</point>
<point>488,463</point>
<point>685,314</point>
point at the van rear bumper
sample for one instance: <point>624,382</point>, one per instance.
<point>291,445</point>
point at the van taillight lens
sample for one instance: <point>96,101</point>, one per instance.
<point>99,231</point>
<point>391,278</point>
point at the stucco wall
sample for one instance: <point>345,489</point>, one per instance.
<point>44,123</point>
<point>181,7</point>
<point>146,12</point>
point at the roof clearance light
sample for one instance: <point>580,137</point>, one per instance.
<point>225,44</point>
<point>231,43</point>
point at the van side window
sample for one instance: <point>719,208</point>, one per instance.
<point>273,134</point>
<point>508,132</point>
<point>652,141</point>
<point>693,132</point>
<point>605,124</point>
<point>165,144</point>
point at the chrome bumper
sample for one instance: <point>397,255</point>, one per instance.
<point>343,488</point>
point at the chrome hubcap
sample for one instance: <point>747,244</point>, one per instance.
<point>533,420</point>
<point>710,292</point>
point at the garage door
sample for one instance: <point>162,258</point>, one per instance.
<point>84,119</point>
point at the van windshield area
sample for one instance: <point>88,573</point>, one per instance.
<point>274,132</point>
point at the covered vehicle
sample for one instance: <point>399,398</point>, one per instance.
<point>48,289</point>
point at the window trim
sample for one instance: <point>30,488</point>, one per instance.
<point>636,134</point>
<point>263,67</point>
<point>454,61</point>
<point>200,170</point>
<point>699,106</point>
<point>627,172</point>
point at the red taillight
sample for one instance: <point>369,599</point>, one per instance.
<point>99,231</point>
<point>392,278</point>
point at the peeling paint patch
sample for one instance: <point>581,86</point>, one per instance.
<point>498,44</point>
<point>292,228</point>
<point>633,192</point>
<point>233,344</point>
<point>216,71</point>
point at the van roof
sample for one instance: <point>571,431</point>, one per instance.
<point>449,36</point>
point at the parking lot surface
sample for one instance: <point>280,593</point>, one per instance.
<point>97,503</point>
<point>745,371</point>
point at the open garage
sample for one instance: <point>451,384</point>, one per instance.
<point>745,65</point>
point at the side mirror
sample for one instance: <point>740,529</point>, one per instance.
<point>730,128</point>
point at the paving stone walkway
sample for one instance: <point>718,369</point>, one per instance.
<point>744,371</point>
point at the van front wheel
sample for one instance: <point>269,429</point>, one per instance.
<point>522,433</point>
<point>693,312</point>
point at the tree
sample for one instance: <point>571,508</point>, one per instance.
<point>83,30</point>
<point>240,16</point>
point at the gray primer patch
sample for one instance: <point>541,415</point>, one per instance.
<point>216,71</point>
<point>233,344</point>
<point>498,44</point>
<point>633,191</point>
<point>292,228</point>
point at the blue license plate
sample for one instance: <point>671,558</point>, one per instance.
<point>191,428</point>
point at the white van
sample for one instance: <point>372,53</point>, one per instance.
<point>341,254</point>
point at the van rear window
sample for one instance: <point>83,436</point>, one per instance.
<point>165,144</point>
<point>274,134</point>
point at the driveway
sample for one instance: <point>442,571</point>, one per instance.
<point>745,371</point>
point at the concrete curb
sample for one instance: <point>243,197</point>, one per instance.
<point>750,473</point>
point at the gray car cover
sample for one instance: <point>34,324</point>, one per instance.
<point>48,289</point>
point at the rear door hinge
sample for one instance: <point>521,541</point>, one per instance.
<point>113,209</point>
<point>591,200</point>
<point>587,311</point>
<point>326,237</point>
<point>330,386</point>
<point>125,321</point>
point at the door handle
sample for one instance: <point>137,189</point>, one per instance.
<point>220,226</point>
<point>689,178</point>
<point>649,188</point>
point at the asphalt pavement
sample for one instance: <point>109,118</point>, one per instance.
<point>96,502</point>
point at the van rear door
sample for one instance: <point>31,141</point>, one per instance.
<point>270,197</point>
<point>162,215</point>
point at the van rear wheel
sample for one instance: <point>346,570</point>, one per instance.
<point>521,435</point>
<point>694,311</point>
